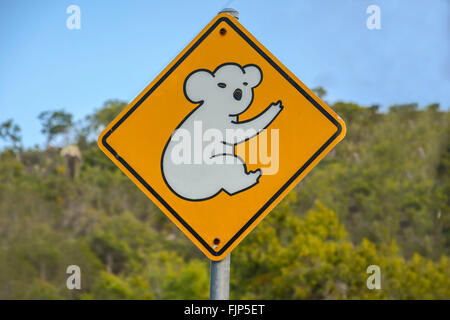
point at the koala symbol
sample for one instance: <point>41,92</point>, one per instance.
<point>221,95</point>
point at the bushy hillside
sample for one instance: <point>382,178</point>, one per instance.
<point>381,197</point>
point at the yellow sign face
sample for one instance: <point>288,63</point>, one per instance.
<point>221,136</point>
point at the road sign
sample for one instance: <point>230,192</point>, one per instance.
<point>221,136</point>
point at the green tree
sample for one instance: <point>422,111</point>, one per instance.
<point>312,258</point>
<point>10,133</point>
<point>106,114</point>
<point>54,123</point>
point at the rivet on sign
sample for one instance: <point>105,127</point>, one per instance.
<point>223,31</point>
<point>216,242</point>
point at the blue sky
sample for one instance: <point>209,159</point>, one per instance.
<point>123,45</point>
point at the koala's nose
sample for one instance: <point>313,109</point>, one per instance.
<point>237,94</point>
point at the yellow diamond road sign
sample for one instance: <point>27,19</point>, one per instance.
<point>221,136</point>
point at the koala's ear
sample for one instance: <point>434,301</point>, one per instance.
<point>197,85</point>
<point>253,75</point>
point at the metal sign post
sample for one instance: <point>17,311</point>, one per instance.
<point>232,12</point>
<point>220,279</point>
<point>219,285</point>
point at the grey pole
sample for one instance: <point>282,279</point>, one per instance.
<point>231,11</point>
<point>220,279</point>
<point>220,270</point>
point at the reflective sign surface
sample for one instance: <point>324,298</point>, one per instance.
<point>221,136</point>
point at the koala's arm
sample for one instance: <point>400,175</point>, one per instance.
<point>247,129</point>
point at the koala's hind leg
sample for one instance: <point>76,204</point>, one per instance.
<point>235,178</point>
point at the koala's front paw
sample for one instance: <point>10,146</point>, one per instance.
<point>277,107</point>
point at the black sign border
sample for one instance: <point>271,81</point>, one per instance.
<point>278,193</point>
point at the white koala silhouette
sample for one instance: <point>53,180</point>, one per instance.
<point>222,96</point>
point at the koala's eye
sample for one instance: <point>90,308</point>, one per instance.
<point>245,83</point>
<point>221,85</point>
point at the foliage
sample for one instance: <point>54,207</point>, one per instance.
<point>312,258</point>
<point>381,197</point>
<point>10,133</point>
<point>54,123</point>
<point>106,113</point>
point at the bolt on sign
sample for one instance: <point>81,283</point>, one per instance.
<point>221,136</point>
